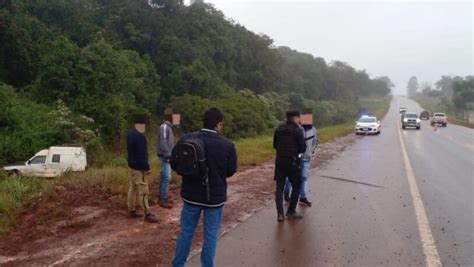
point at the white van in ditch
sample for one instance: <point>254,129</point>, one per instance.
<point>52,162</point>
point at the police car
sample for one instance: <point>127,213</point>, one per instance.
<point>367,125</point>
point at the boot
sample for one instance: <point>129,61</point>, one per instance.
<point>151,218</point>
<point>165,203</point>
<point>281,217</point>
<point>134,214</point>
<point>292,215</point>
<point>305,201</point>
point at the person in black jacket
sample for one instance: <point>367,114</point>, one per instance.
<point>289,143</point>
<point>137,158</point>
<point>222,163</point>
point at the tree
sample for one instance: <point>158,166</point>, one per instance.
<point>387,81</point>
<point>105,59</point>
<point>100,82</point>
<point>25,126</point>
<point>168,5</point>
<point>463,97</point>
<point>412,86</point>
<point>445,84</point>
<point>425,87</point>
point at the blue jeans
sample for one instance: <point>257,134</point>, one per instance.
<point>165,177</point>
<point>189,219</point>
<point>305,166</point>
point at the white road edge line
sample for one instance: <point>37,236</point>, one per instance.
<point>429,247</point>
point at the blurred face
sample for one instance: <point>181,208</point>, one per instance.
<point>307,119</point>
<point>219,126</point>
<point>176,119</point>
<point>296,120</point>
<point>140,127</point>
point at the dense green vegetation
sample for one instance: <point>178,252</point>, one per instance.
<point>24,125</point>
<point>90,64</point>
<point>453,95</point>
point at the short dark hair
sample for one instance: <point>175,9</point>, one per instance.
<point>292,113</point>
<point>168,117</point>
<point>212,117</point>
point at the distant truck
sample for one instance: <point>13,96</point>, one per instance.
<point>411,119</point>
<point>51,162</point>
<point>439,118</point>
<point>425,115</point>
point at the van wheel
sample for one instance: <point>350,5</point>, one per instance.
<point>445,125</point>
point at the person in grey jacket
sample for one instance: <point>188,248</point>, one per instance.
<point>311,138</point>
<point>163,150</point>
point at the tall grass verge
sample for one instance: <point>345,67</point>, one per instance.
<point>15,192</point>
<point>254,151</point>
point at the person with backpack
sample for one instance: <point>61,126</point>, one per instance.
<point>289,143</point>
<point>311,138</point>
<point>137,158</point>
<point>205,160</point>
<point>164,147</point>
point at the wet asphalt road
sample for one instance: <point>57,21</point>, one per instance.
<point>363,211</point>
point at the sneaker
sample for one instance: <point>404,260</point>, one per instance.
<point>291,215</point>
<point>281,217</point>
<point>151,218</point>
<point>134,214</point>
<point>305,201</point>
<point>165,203</point>
<point>287,197</point>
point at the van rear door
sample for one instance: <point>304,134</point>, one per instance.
<point>56,164</point>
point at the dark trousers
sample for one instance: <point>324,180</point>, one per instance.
<point>287,168</point>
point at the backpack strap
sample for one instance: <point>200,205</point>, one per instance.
<point>203,165</point>
<point>205,182</point>
<point>206,175</point>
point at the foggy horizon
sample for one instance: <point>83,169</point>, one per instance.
<point>396,39</point>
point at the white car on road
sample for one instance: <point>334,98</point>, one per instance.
<point>367,125</point>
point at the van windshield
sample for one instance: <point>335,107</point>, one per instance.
<point>38,160</point>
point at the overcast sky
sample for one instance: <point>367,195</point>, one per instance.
<point>397,39</point>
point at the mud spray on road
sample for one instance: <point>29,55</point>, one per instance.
<point>99,232</point>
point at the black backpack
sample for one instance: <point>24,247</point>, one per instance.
<point>191,161</point>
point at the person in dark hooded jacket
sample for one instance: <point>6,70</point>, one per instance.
<point>289,143</point>
<point>221,160</point>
